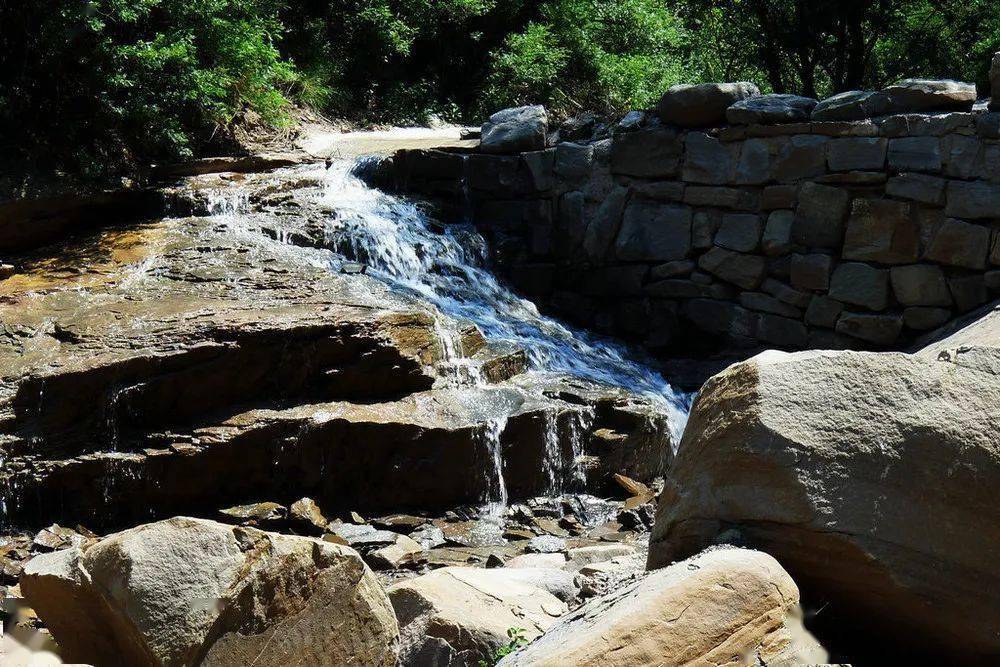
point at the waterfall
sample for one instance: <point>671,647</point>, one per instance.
<point>448,267</point>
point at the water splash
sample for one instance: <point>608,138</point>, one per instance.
<point>448,266</point>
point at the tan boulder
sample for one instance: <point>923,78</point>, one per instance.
<point>458,614</point>
<point>724,606</point>
<point>194,592</point>
<point>872,477</point>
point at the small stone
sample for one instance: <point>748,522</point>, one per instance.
<point>393,556</point>
<point>546,544</point>
<point>428,536</point>
<point>704,224</point>
<point>6,271</point>
<point>877,329</point>
<point>255,514</point>
<point>306,516</point>
<point>57,537</point>
<point>860,284</point>
<point>494,560</point>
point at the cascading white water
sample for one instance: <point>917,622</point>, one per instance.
<point>448,267</point>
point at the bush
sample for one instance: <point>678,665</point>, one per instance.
<point>603,55</point>
<point>96,85</point>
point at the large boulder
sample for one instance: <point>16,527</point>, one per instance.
<point>194,592</point>
<point>703,104</point>
<point>923,95</point>
<point>461,615</point>
<point>722,606</point>
<point>515,130</point>
<point>770,109</point>
<point>871,476</point>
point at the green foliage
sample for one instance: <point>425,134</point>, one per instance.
<point>605,55</point>
<point>96,83</point>
<point>101,87</point>
<point>516,640</point>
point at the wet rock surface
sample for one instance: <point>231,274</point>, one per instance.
<point>208,345</point>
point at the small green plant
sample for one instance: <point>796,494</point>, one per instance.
<point>516,640</point>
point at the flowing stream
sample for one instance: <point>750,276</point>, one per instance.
<point>447,266</point>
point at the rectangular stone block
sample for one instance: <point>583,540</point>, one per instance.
<point>974,200</point>
<point>786,293</point>
<point>539,168</point>
<point>920,285</point>
<point>844,128</point>
<point>680,267</point>
<point>918,187</point>
<point>739,231</point>
<point>958,243</point>
<point>658,190</point>
<point>819,218</point>
<point>654,232</point>
<point>766,303</point>
<point>573,163</point>
<point>777,238</point>
<point>881,330</point>
<point>674,288</point>
<point>922,318</point>
<point>703,228</point>
<point>801,157</point>
<point>811,272</point>
<point>882,230</point>
<point>782,331</point>
<point>754,165</point>
<point>708,160</point>
<point>968,291</point>
<point>915,153</point>
<point>861,285</point>
<point>649,153</point>
<point>856,153</point>
<point>721,197</point>
<point>720,318</point>
<point>746,271</point>
<point>779,196</point>
<point>823,311</point>
<point>962,155</point>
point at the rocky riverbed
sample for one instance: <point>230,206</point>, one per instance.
<point>295,420</point>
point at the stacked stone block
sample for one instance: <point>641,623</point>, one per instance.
<point>834,234</point>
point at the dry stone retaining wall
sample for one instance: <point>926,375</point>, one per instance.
<point>808,235</point>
